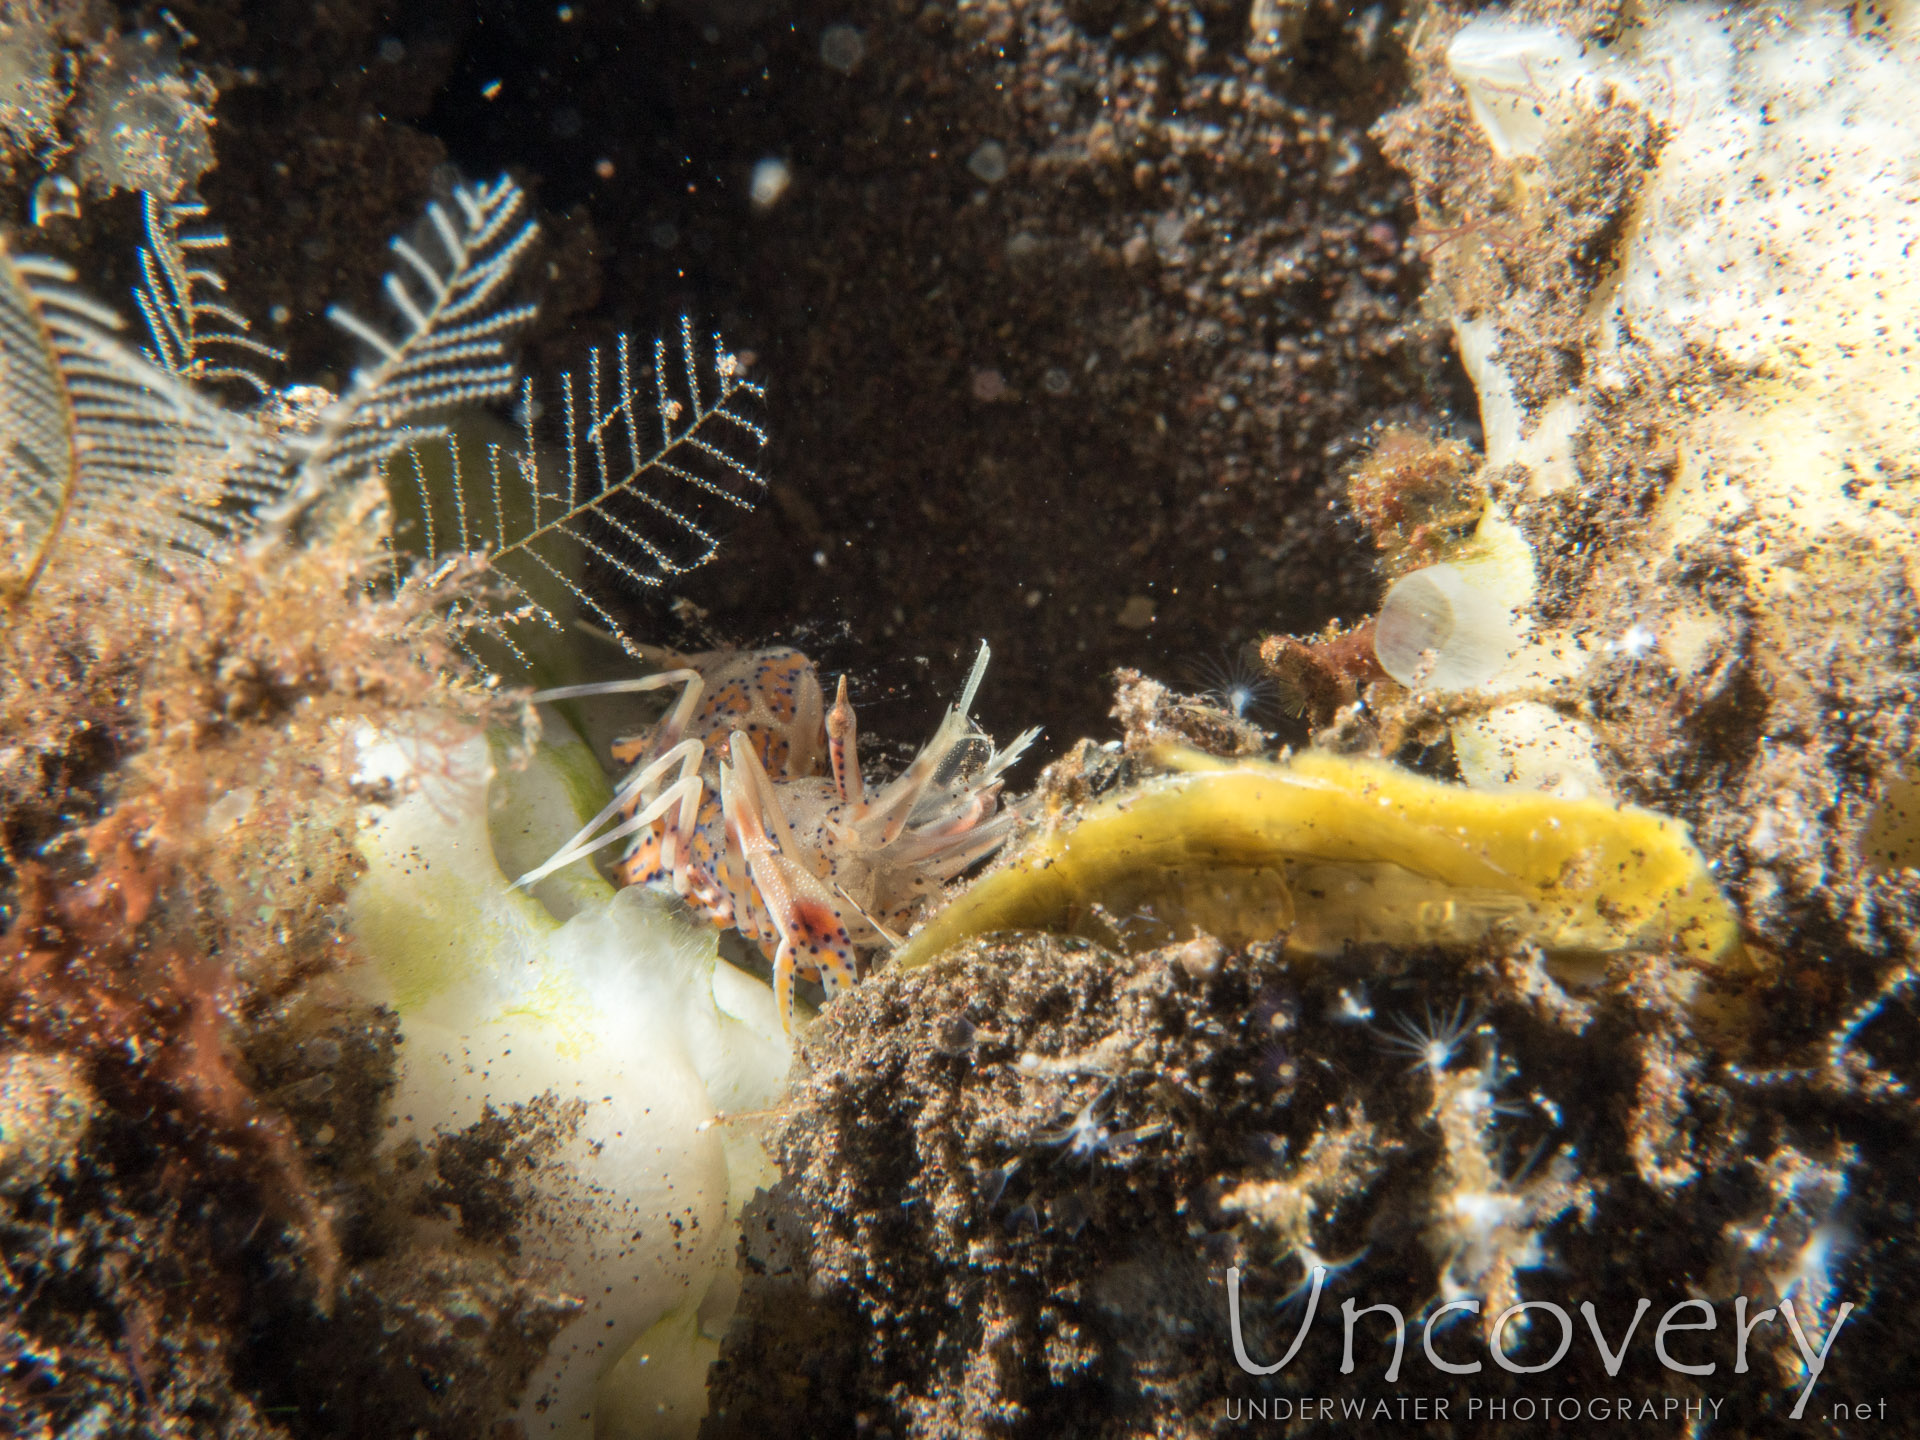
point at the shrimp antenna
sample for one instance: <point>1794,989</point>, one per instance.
<point>973,681</point>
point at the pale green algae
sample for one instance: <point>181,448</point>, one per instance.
<point>611,999</point>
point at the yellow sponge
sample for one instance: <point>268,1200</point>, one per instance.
<point>1327,850</point>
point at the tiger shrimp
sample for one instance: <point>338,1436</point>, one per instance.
<point>748,800</point>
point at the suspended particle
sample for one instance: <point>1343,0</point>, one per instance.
<point>842,48</point>
<point>988,162</point>
<point>989,386</point>
<point>771,177</point>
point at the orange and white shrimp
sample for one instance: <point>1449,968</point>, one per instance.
<point>747,798</point>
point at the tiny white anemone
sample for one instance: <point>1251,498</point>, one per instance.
<point>1311,1260</point>
<point>1480,1213</point>
<point>993,1183</point>
<point>1810,1272</point>
<point>1637,642</point>
<point>1433,1044</point>
<point>1087,1133</point>
<point>1351,1007</point>
<point>1493,1072</point>
<point>1236,683</point>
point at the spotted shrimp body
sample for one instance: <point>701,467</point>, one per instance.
<point>747,799</point>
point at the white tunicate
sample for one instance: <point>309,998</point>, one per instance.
<point>623,1014</point>
<point>1439,630</point>
<point>771,177</point>
<point>989,162</point>
<point>842,48</point>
